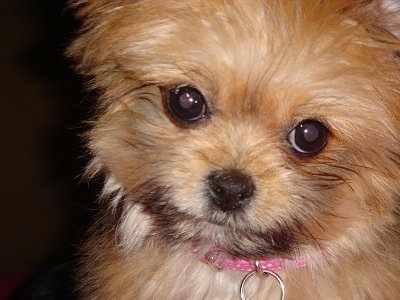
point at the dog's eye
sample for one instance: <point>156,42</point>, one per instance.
<point>186,104</point>
<point>308,137</point>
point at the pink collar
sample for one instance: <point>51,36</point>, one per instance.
<point>219,261</point>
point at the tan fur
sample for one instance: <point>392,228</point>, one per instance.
<point>263,66</point>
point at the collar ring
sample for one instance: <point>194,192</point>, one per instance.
<point>259,271</point>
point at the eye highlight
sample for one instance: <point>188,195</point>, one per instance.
<point>186,104</point>
<point>308,137</point>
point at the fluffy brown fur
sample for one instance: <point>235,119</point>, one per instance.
<point>262,67</point>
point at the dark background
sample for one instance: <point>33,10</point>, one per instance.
<point>42,206</point>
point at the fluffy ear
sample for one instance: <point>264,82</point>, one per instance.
<point>389,16</point>
<point>94,16</point>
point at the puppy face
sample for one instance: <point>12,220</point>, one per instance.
<point>266,128</point>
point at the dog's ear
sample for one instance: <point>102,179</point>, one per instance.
<point>93,16</point>
<point>92,8</point>
<point>388,12</point>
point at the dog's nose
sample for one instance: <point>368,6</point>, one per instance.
<point>230,189</point>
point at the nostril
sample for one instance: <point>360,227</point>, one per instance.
<point>230,189</point>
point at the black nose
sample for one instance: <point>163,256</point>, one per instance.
<point>230,189</point>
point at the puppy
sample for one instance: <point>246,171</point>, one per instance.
<point>249,149</point>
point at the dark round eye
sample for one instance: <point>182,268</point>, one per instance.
<point>186,104</point>
<point>308,137</point>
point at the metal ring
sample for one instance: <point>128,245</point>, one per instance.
<point>251,274</point>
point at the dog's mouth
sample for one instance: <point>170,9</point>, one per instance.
<point>278,240</point>
<point>233,231</point>
<point>231,234</point>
